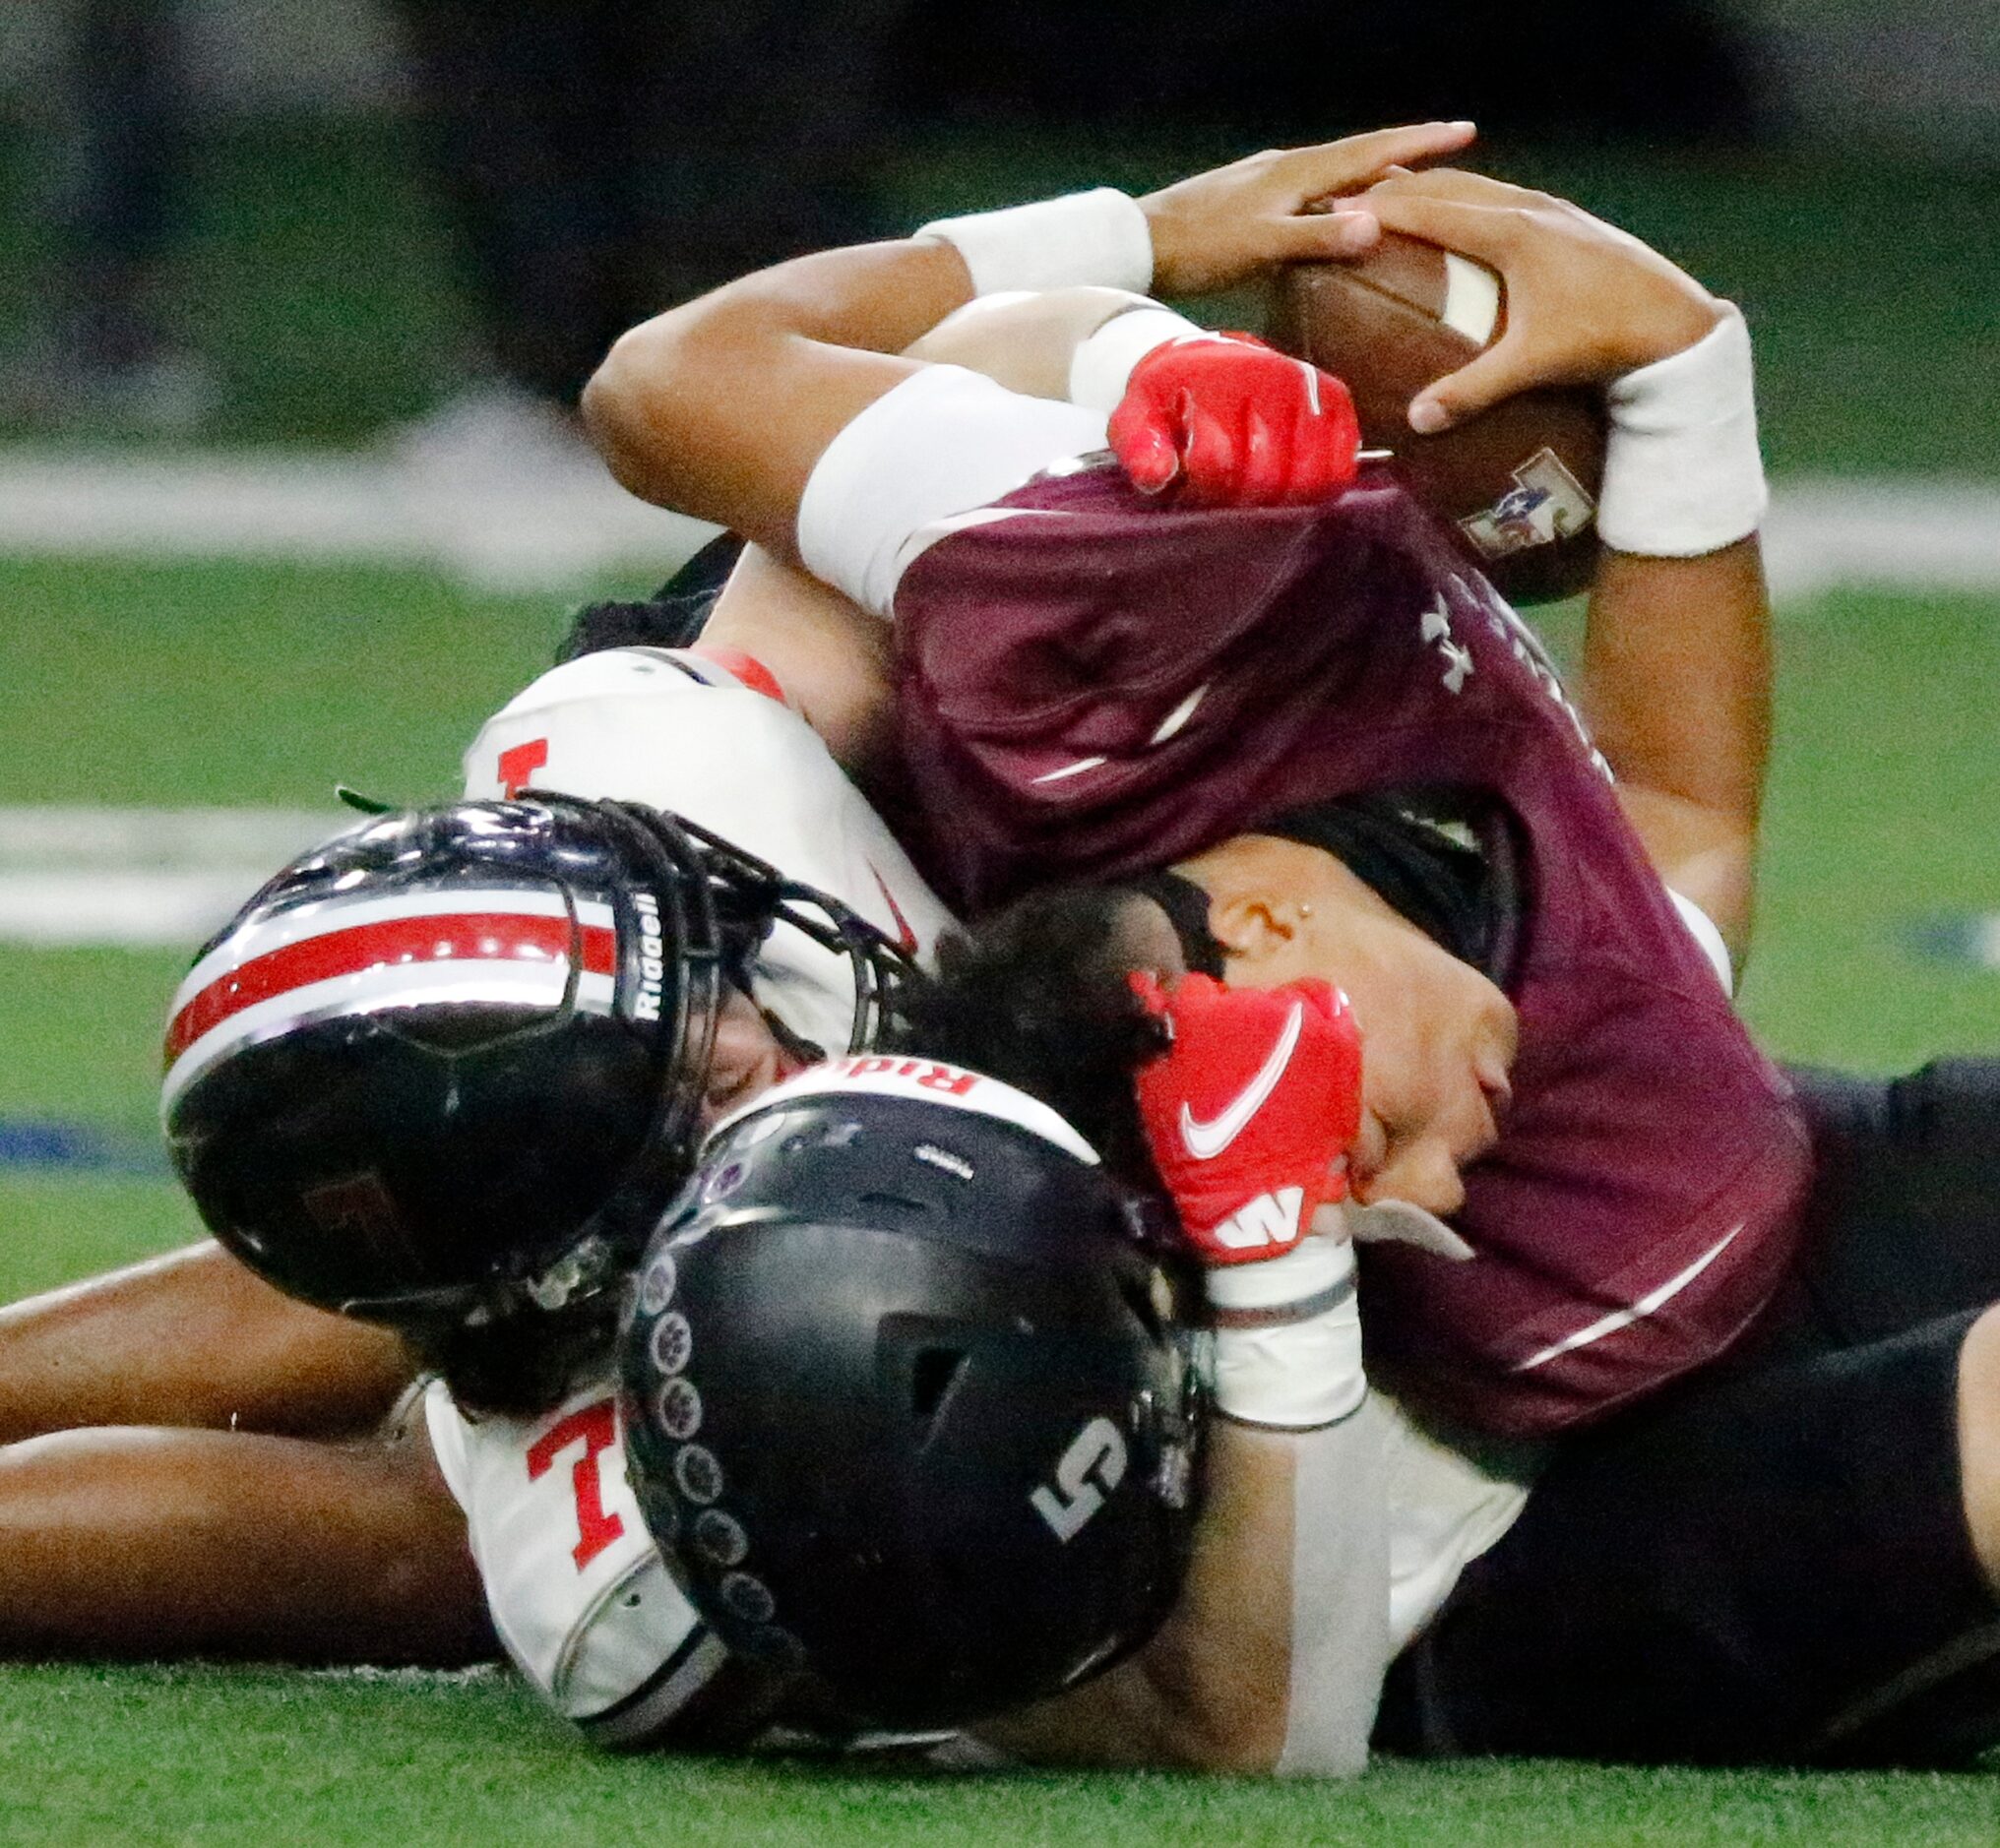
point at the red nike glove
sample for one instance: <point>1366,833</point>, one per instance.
<point>1250,1111</point>
<point>1230,422</point>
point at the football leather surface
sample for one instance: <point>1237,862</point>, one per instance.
<point>1520,480</point>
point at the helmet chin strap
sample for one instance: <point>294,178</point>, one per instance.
<point>587,1268</point>
<point>581,1270</point>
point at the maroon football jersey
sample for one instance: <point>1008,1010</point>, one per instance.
<point>1097,684</point>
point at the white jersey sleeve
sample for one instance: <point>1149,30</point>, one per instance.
<point>1452,1494</point>
<point>936,451</point>
<point>579,1593</point>
<point>1388,1515</point>
<point>677,732</point>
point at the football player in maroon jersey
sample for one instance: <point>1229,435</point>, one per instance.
<point>1236,680</point>
<point>1321,722</point>
<point>255,1399</point>
<point>1698,829</point>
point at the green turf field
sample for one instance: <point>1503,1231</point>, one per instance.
<point>210,684</point>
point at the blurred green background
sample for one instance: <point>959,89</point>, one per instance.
<point>316,276</point>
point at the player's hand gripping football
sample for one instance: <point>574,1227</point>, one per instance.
<point>1586,303</point>
<point>1225,227</point>
<point>1223,420</point>
<point>1249,1111</point>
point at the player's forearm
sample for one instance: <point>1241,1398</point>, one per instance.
<point>191,1338</point>
<point>1676,663</point>
<point>1677,677</point>
<point>1677,670</point>
<point>1272,1658</point>
<point>721,408</point>
<point>1209,1692</point>
<point>1676,687</point>
<point>149,1544</point>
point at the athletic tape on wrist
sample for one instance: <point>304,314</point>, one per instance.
<point>1288,1352</point>
<point>1102,367</point>
<point>1099,237</point>
<point>1682,472</point>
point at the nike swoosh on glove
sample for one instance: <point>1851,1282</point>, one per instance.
<point>1250,1111</point>
<point>1226,422</point>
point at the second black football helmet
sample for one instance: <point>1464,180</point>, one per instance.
<point>457,1056</point>
<point>910,1406</point>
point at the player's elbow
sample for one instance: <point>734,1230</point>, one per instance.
<point>620,400</point>
<point>1232,1725</point>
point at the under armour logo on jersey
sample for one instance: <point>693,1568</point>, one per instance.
<point>1206,1140</point>
<point>1268,1220</point>
<point>1436,627</point>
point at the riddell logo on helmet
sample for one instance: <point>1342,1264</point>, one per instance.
<point>652,957</point>
<point>926,1074</point>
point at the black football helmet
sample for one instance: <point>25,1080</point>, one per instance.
<point>455,1058</point>
<point>910,1407</point>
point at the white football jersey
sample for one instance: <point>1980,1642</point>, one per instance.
<point>675,731</point>
<point>578,1591</point>
<point>1452,1494</point>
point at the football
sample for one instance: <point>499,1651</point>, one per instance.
<point>1521,479</point>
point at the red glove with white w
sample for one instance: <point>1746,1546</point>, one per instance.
<point>1250,1111</point>
<point>1232,422</point>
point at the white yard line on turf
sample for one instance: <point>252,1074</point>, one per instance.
<point>1912,534</point>
<point>139,878</point>
<point>1980,942</point>
<point>523,525</point>
<point>503,527</point>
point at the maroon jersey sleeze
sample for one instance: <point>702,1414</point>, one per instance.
<point>1097,684</point>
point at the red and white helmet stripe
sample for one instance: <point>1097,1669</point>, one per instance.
<point>350,955</point>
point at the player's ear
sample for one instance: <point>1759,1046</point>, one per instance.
<point>1251,925</point>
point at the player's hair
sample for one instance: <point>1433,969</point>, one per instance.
<point>643,625</point>
<point>524,1364</point>
<point>1037,995</point>
<point>672,617</point>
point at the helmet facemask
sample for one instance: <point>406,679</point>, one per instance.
<point>451,1064</point>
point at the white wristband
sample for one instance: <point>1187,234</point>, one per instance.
<point>1682,473</point>
<point>1103,363</point>
<point>1098,237</point>
<point>1288,1337</point>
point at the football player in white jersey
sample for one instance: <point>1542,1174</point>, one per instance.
<point>601,695</point>
<point>252,1384</point>
<point>571,1440</point>
<point>579,1596</point>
